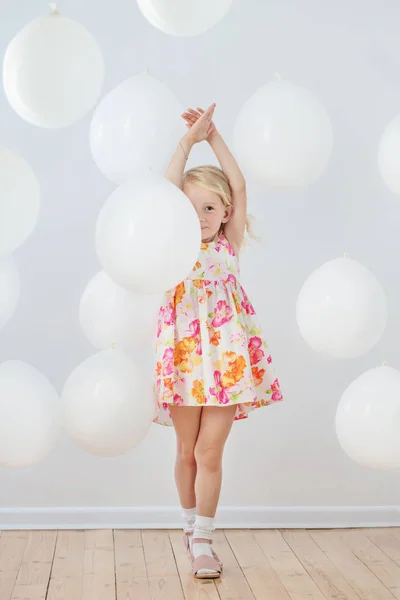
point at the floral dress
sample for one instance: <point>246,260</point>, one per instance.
<point>210,350</point>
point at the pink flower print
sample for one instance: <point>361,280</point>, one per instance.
<point>159,325</point>
<point>210,263</point>
<point>222,314</point>
<point>168,360</point>
<point>231,279</point>
<point>178,400</point>
<point>169,314</point>
<point>269,359</point>
<point>165,405</point>
<point>165,315</point>
<point>218,391</point>
<point>224,242</point>
<point>255,351</point>
<point>277,394</point>
<point>194,328</point>
<point>247,306</point>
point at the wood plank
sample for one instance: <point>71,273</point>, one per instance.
<point>162,572</point>
<point>34,573</point>
<point>193,589</point>
<point>67,573</point>
<point>377,561</point>
<point>387,541</point>
<point>98,566</point>
<point>233,584</point>
<point>367,586</point>
<point>130,566</point>
<point>12,547</point>
<point>263,580</point>
<point>293,575</point>
<point>327,577</point>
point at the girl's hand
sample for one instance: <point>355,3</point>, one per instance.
<point>200,124</point>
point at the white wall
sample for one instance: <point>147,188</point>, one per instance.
<point>347,52</point>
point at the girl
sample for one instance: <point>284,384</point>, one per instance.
<point>213,366</point>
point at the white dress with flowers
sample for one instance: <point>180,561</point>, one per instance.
<point>210,349</point>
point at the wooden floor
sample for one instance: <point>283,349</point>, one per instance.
<point>348,564</point>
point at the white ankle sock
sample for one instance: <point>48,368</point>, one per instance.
<point>189,516</point>
<point>203,528</point>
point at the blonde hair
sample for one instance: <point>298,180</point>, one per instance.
<point>213,179</point>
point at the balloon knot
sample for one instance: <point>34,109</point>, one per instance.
<point>384,363</point>
<point>53,7</point>
<point>278,77</point>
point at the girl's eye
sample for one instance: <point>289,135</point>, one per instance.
<point>209,208</point>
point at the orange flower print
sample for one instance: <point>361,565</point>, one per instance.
<point>198,391</point>
<point>215,337</point>
<point>158,369</point>
<point>258,375</point>
<point>198,283</point>
<point>183,350</point>
<point>168,387</point>
<point>179,293</point>
<point>233,369</point>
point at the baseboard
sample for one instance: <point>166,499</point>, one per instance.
<point>228,517</point>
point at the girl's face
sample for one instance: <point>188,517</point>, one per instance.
<point>210,209</point>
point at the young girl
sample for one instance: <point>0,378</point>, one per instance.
<point>213,366</point>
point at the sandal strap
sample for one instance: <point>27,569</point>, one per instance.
<point>206,562</point>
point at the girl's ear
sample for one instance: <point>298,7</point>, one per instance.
<point>227,214</point>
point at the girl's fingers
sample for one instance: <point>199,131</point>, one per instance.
<point>188,117</point>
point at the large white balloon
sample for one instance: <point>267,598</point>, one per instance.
<point>19,200</point>
<point>110,316</point>
<point>53,72</point>
<point>342,309</point>
<point>29,415</point>
<point>9,288</point>
<point>136,126</point>
<point>389,155</point>
<point>148,235</point>
<point>184,17</point>
<point>283,135</point>
<point>368,419</point>
<point>107,404</point>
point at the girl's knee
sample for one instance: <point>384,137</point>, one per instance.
<point>208,457</point>
<point>186,454</point>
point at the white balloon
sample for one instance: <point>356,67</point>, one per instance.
<point>184,17</point>
<point>108,404</point>
<point>148,235</point>
<point>135,127</point>
<point>9,288</point>
<point>53,72</point>
<point>283,135</point>
<point>19,200</point>
<point>368,419</point>
<point>29,415</point>
<point>389,155</point>
<point>110,316</point>
<point>342,309</point>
